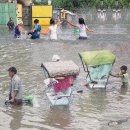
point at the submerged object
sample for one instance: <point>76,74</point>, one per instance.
<point>61,99</point>
<point>26,99</point>
<point>97,65</point>
<point>60,70</point>
<point>80,91</point>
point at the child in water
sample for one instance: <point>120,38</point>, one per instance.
<point>123,75</point>
<point>18,29</point>
<point>36,29</point>
<point>10,24</point>
<point>82,27</point>
<point>52,29</point>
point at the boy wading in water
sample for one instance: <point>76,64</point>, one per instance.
<point>10,24</point>
<point>15,95</point>
<point>123,75</point>
<point>36,29</point>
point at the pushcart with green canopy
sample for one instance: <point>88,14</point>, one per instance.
<point>97,65</point>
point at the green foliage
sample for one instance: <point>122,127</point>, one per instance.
<point>67,4</point>
<point>43,2</point>
<point>74,4</point>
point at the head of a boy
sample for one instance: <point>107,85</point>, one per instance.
<point>36,21</point>
<point>11,19</point>
<point>52,21</point>
<point>123,69</point>
<point>12,71</point>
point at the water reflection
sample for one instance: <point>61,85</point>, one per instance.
<point>98,99</point>
<point>102,15</point>
<point>59,117</point>
<point>17,116</point>
<point>116,15</point>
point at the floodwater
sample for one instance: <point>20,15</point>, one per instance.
<point>102,109</point>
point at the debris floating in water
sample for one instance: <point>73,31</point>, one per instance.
<point>80,91</point>
<point>118,122</point>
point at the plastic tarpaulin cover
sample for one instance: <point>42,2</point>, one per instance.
<point>94,58</point>
<point>98,64</point>
<point>61,68</point>
<point>100,75</point>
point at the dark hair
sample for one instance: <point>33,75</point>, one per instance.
<point>81,21</point>
<point>12,69</point>
<point>123,67</point>
<point>36,21</point>
<point>52,21</point>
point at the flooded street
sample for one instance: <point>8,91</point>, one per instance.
<point>93,109</point>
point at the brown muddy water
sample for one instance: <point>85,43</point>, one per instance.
<point>103,109</point>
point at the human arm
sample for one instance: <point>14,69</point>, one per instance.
<point>33,29</point>
<point>89,30</point>
<point>13,96</point>
<point>72,24</point>
<point>59,22</point>
<point>45,32</point>
<point>118,75</point>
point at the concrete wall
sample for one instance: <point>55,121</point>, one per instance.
<point>27,15</point>
<point>26,10</point>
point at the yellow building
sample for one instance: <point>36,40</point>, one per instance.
<point>19,11</point>
<point>43,13</point>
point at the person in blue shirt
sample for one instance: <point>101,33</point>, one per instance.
<point>36,29</point>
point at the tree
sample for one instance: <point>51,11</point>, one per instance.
<point>74,4</point>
